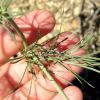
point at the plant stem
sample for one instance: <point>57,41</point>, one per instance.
<point>11,21</point>
<point>58,88</point>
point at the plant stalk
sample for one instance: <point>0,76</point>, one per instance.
<point>58,88</point>
<point>11,21</point>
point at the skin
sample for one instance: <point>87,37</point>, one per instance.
<point>42,88</point>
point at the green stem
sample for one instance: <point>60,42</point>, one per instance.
<point>11,21</point>
<point>58,88</point>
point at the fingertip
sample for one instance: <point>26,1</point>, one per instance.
<point>36,24</point>
<point>65,41</point>
<point>45,20</point>
<point>70,40</point>
<point>72,92</point>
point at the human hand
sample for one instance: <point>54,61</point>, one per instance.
<point>11,74</point>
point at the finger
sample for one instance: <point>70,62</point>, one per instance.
<point>11,76</point>
<point>39,93</point>
<point>41,21</point>
<point>45,84</point>
<point>61,73</point>
<point>65,41</point>
<point>72,92</point>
